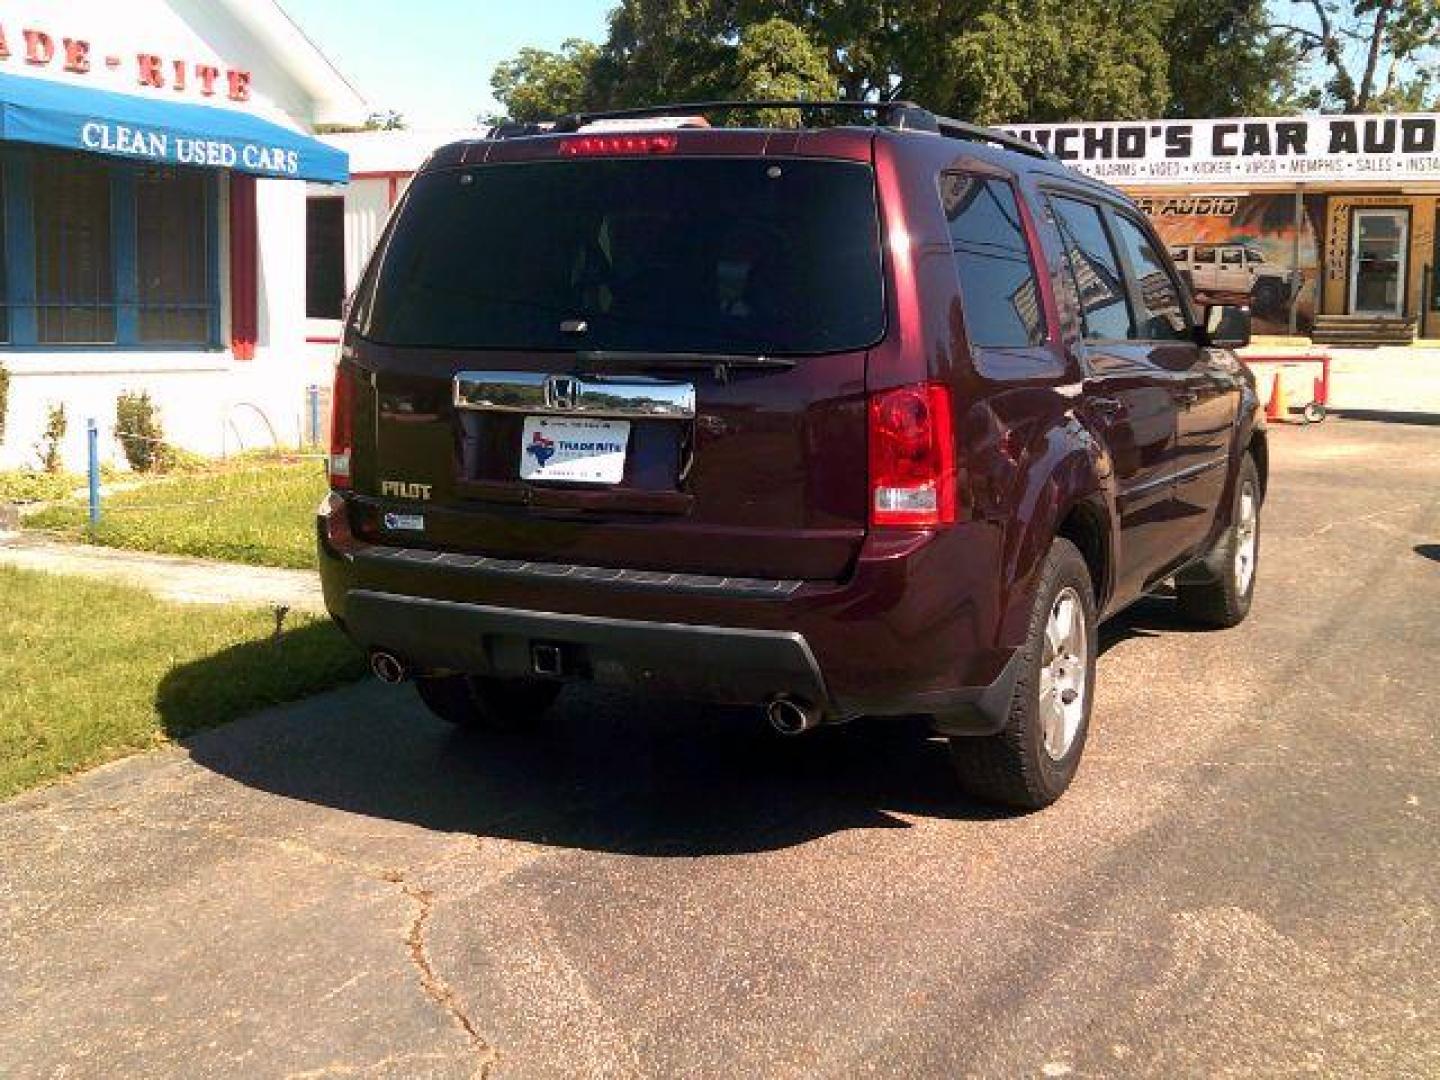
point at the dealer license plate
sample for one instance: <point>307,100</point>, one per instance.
<point>574,450</point>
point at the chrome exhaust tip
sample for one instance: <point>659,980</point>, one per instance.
<point>387,667</point>
<point>791,717</point>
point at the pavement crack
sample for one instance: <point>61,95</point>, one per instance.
<point>436,987</point>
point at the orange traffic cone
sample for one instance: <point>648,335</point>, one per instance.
<point>1276,408</point>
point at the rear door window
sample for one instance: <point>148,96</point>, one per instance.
<point>1160,313</point>
<point>1095,273</point>
<point>702,255</point>
<point>998,286</point>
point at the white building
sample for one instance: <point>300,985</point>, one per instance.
<point>154,159</point>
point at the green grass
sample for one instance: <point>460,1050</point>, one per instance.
<point>92,671</point>
<point>28,485</point>
<point>250,512</point>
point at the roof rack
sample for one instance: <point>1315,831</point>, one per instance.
<point>895,115</point>
<point>960,129</point>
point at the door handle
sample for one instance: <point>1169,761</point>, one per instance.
<point>1187,397</point>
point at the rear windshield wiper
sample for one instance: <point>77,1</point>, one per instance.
<point>721,363</point>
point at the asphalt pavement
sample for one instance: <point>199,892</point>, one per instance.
<point>1243,881</point>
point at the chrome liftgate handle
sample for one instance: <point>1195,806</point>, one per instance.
<point>537,393</point>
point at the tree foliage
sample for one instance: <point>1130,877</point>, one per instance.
<point>992,60</point>
<point>384,120</point>
<point>1226,60</point>
<point>538,84</point>
<point>776,59</point>
<point>1374,55</point>
<point>1055,60</point>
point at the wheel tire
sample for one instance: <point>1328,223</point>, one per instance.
<point>1030,763</point>
<point>1217,593</point>
<point>1267,297</point>
<point>1314,413</point>
<point>488,704</point>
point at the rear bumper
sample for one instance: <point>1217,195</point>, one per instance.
<point>912,631</point>
<point>710,662</point>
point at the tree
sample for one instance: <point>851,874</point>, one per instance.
<point>776,59</point>
<point>538,84</point>
<point>389,120</point>
<point>1057,60</point>
<point>1376,55</point>
<point>994,60</point>
<point>666,50</point>
<point>1225,60</point>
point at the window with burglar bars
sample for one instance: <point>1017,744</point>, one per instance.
<point>4,277</point>
<point>174,259</point>
<point>74,263</point>
<point>100,252</point>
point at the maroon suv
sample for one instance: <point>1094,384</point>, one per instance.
<point>875,416</point>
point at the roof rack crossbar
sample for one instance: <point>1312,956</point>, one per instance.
<point>960,129</point>
<point>898,115</point>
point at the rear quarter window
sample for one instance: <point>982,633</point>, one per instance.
<point>998,286</point>
<point>1095,274</point>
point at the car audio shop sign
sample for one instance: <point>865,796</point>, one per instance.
<point>1302,149</point>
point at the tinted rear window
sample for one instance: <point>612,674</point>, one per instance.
<point>674,255</point>
<point>992,257</point>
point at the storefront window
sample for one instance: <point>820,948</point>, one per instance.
<point>74,265</point>
<point>324,257</point>
<point>1435,267</point>
<point>4,288</point>
<point>173,257</point>
<point>120,254</point>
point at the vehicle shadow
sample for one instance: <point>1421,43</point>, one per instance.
<point>1150,616</point>
<point>1428,551</point>
<point>604,772</point>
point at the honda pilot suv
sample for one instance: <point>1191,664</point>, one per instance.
<point>879,415</point>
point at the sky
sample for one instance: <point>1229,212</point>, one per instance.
<point>431,60</point>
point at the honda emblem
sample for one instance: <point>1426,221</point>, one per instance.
<point>562,392</point>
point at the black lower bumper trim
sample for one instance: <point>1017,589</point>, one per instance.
<point>725,664</point>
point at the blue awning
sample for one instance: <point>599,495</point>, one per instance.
<point>172,133</point>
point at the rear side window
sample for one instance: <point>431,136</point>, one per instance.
<point>1160,314</point>
<point>998,286</point>
<point>1095,271</point>
<point>704,255</point>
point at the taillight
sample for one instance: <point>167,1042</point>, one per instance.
<point>594,145</point>
<point>342,426</point>
<point>912,456</point>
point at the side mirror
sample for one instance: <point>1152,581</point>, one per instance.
<point>1227,326</point>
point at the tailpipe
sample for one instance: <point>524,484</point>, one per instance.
<point>387,667</point>
<point>791,717</point>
